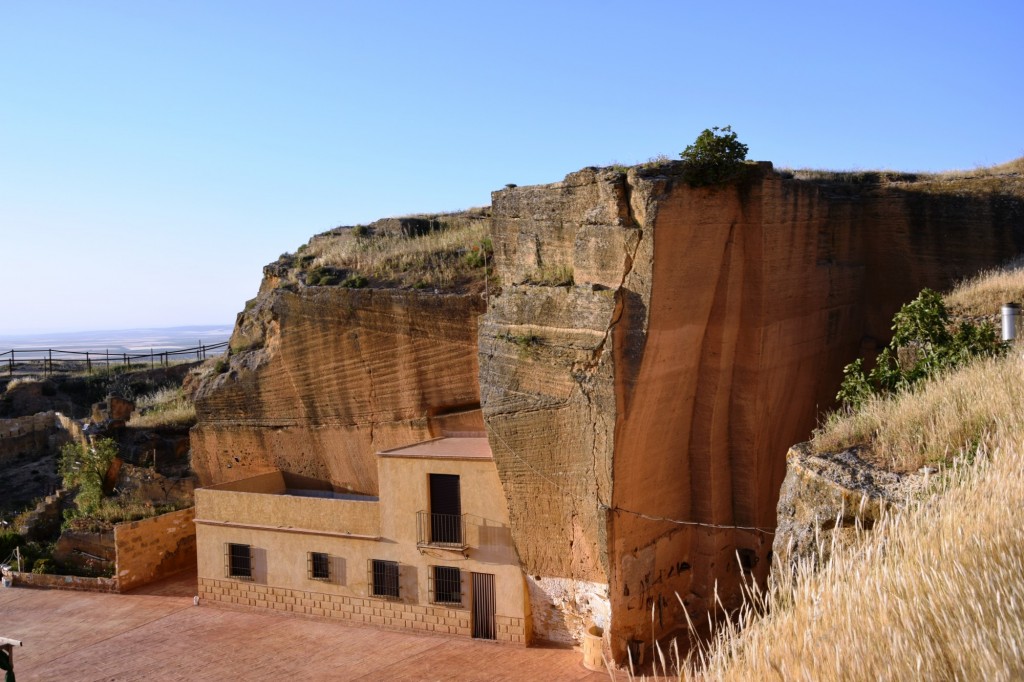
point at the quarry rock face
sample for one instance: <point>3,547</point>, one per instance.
<point>651,352</point>
<point>640,415</point>
<point>322,379</point>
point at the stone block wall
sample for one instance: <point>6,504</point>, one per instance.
<point>73,429</point>
<point>360,610</point>
<point>154,548</point>
<point>65,582</point>
<point>43,519</point>
<point>25,434</point>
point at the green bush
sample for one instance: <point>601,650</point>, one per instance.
<point>86,468</point>
<point>8,541</point>
<point>44,566</point>
<point>924,343</point>
<point>714,157</point>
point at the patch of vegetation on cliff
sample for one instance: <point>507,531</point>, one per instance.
<point>716,156</point>
<point>450,252</point>
<point>925,342</point>
<point>982,296</point>
<point>932,423</point>
<point>165,407</point>
<point>1006,178</point>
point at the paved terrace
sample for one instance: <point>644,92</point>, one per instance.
<point>155,633</point>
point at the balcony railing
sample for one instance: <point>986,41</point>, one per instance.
<point>441,530</point>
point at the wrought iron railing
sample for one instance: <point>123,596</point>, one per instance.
<point>441,530</point>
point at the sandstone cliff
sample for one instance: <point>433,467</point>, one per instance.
<point>322,377</point>
<point>640,415</point>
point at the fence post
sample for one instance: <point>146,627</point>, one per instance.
<point>88,363</point>
<point>127,360</point>
<point>49,363</point>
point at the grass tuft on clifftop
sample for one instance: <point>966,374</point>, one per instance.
<point>450,252</point>
<point>1006,178</point>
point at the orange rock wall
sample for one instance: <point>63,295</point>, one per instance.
<point>641,415</point>
<point>325,378</point>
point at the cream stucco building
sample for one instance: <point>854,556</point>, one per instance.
<point>433,552</point>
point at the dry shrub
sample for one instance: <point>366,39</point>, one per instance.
<point>165,407</point>
<point>984,294</point>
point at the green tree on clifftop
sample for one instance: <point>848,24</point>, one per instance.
<point>715,156</point>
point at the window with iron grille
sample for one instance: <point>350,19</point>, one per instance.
<point>238,561</point>
<point>445,585</point>
<point>384,578</point>
<point>318,566</point>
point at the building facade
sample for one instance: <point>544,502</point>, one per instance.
<point>433,552</point>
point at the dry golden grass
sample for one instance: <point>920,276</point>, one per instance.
<point>446,258</point>
<point>931,423</point>
<point>935,592</point>
<point>166,407</point>
<point>1006,178</point>
<point>984,294</point>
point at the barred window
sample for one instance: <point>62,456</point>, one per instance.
<point>445,585</point>
<point>238,561</point>
<point>319,566</point>
<point>384,578</point>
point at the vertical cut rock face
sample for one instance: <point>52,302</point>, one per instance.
<point>640,415</point>
<point>324,377</point>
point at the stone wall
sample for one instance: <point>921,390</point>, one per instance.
<point>155,548</point>
<point>73,429</point>
<point>24,435</point>
<point>65,582</point>
<point>44,520</point>
<point>364,611</point>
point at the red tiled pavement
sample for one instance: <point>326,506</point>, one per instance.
<point>157,634</point>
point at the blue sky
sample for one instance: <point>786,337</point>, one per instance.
<point>154,155</point>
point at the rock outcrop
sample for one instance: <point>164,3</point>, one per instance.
<point>826,499</point>
<point>640,416</point>
<point>322,378</point>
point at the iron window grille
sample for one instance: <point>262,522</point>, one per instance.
<point>383,579</point>
<point>238,561</point>
<point>318,565</point>
<point>445,585</point>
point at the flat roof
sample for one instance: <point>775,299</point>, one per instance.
<point>444,448</point>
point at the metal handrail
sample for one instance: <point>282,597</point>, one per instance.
<point>47,357</point>
<point>440,530</point>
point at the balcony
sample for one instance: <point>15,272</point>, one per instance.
<point>446,531</point>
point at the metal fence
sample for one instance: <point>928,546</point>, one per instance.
<point>53,360</point>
